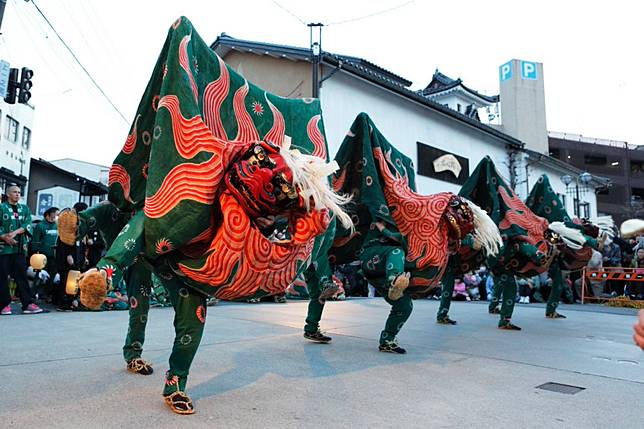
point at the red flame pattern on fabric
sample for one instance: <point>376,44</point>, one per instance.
<point>418,217</point>
<point>184,62</point>
<point>130,141</point>
<point>213,97</point>
<point>520,215</point>
<point>246,131</point>
<point>259,263</point>
<point>316,137</point>
<point>118,174</point>
<point>276,133</point>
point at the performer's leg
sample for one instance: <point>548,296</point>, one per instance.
<point>401,308</point>
<point>139,284</point>
<point>318,278</point>
<point>495,299</point>
<point>446,297</point>
<point>555,294</point>
<point>190,316</point>
<point>5,295</point>
<point>509,288</point>
<point>400,311</point>
<point>18,270</point>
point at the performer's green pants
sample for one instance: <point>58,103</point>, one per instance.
<point>447,290</point>
<point>496,294</point>
<point>557,287</point>
<point>189,319</point>
<point>316,276</point>
<point>139,284</point>
<point>505,289</point>
<point>381,265</point>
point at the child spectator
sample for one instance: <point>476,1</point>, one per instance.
<point>460,290</point>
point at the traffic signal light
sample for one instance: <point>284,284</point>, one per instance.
<point>12,86</point>
<point>25,85</point>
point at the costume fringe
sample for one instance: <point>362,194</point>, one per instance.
<point>573,238</point>
<point>605,224</point>
<point>311,176</point>
<point>486,233</point>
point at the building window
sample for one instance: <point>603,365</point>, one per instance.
<point>26,137</point>
<point>595,160</point>
<point>11,132</point>
<point>458,107</point>
<point>584,210</point>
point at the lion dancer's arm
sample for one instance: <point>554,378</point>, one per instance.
<point>125,249</point>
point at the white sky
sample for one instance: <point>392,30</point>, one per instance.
<point>591,53</point>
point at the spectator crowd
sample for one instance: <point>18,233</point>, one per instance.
<point>20,238</point>
<point>37,287</point>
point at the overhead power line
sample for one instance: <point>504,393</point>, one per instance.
<point>345,21</point>
<point>79,63</point>
<point>371,15</point>
<point>289,12</point>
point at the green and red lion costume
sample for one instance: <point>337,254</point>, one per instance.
<point>223,203</point>
<point>403,239</point>
<point>580,237</point>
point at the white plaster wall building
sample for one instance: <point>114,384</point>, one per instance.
<point>16,128</point>
<point>445,118</point>
<point>406,123</point>
<point>421,128</point>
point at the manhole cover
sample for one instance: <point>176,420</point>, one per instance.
<point>561,388</point>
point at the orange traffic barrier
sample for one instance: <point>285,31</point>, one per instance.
<point>607,274</point>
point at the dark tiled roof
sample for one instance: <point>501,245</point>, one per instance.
<point>304,54</point>
<point>95,188</point>
<point>441,83</point>
<point>358,67</point>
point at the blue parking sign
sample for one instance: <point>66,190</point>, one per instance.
<point>505,71</point>
<point>528,70</point>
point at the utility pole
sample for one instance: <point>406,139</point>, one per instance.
<point>316,50</point>
<point>3,3</point>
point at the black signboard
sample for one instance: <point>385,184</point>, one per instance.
<point>439,164</point>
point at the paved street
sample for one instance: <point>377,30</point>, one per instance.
<point>254,369</point>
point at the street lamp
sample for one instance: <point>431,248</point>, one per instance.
<point>583,179</point>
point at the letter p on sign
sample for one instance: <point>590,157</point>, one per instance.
<point>528,70</point>
<point>505,71</point>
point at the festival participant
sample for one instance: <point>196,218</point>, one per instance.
<point>529,246</point>
<point>461,262</point>
<point>210,173</point>
<point>15,232</point>
<point>44,241</point>
<point>579,237</point>
<point>402,238</point>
